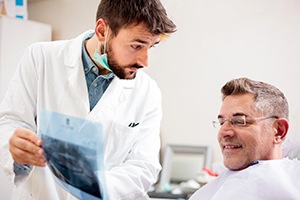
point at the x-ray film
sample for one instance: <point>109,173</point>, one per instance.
<point>74,152</point>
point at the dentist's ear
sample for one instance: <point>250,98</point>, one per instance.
<point>101,29</point>
<point>281,129</point>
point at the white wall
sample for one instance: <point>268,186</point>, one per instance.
<point>67,17</point>
<point>216,41</point>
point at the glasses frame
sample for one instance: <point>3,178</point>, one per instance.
<point>218,124</point>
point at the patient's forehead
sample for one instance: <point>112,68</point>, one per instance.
<point>234,104</point>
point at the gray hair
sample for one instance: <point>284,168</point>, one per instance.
<point>267,98</point>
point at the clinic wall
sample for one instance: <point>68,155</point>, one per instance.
<point>67,17</point>
<point>216,41</point>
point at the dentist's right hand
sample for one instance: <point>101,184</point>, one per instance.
<point>25,148</point>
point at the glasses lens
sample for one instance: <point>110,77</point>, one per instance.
<point>238,120</point>
<point>216,124</point>
<point>235,121</point>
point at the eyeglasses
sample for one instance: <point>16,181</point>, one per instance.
<point>239,120</point>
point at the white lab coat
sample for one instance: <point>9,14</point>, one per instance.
<point>267,180</point>
<point>50,76</point>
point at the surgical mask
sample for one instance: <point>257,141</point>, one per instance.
<point>102,59</point>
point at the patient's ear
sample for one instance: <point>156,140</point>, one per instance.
<point>281,129</point>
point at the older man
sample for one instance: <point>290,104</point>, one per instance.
<point>253,123</point>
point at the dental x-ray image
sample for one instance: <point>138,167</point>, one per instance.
<point>69,165</point>
<point>74,152</point>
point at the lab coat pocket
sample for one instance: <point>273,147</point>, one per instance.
<point>120,140</point>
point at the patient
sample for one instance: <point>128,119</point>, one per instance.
<point>253,123</point>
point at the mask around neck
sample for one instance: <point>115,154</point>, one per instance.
<point>102,59</point>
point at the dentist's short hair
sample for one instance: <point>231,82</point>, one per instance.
<point>122,13</point>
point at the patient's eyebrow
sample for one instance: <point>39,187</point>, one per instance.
<point>239,114</point>
<point>235,114</point>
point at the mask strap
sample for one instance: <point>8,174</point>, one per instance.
<point>105,40</point>
<point>98,47</point>
<point>99,44</point>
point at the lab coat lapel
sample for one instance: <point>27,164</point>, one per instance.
<point>75,72</point>
<point>78,84</point>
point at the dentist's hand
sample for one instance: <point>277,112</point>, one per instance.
<point>25,148</point>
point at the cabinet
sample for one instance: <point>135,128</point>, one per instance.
<point>15,36</point>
